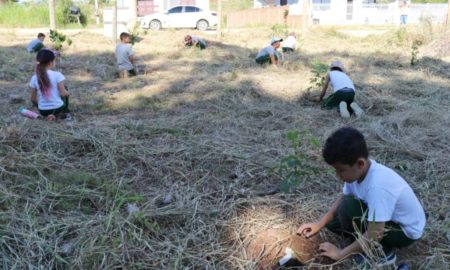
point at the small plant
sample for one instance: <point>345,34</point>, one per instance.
<point>285,15</point>
<point>279,30</point>
<point>401,35</point>
<point>415,51</point>
<point>134,34</point>
<point>58,39</point>
<point>319,70</point>
<point>297,166</point>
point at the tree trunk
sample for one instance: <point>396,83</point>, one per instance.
<point>133,13</point>
<point>219,23</point>
<point>97,17</point>
<point>114,22</point>
<point>51,8</point>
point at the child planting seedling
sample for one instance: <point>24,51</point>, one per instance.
<point>47,88</point>
<point>125,57</point>
<point>344,91</point>
<point>376,202</point>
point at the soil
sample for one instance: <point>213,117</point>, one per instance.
<point>269,246</point>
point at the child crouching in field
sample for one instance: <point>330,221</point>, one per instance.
<point>125,56</point>
<point>47,88</point>
<point>36,44</point>
<point>269,54</point>
<point>194,41</point>
<point>344,91</point>
<point>375,200</point>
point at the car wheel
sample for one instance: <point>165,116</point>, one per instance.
<point>202,25</point>
<point>155,25</point>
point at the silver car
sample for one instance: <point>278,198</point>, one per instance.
<point>180,17</point>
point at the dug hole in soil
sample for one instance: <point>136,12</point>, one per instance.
<point>269,246</point>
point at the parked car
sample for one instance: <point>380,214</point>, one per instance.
<point>180,17</point>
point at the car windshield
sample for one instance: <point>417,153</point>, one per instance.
<point>175,10</point>
<point>192,9</point>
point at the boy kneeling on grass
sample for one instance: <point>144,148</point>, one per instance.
<point>344,91</point>
<point>376,202</point>
<point>269,54</point>
<point>194,41</point>
<point>125,56</point>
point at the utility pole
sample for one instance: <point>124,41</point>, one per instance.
<point>448,14</point>
<point>219,24</point>
<point>51,8</point>
<point>133,13</point>
<point>305,16</point>
<point>114,22</point>
<point>97,17</point>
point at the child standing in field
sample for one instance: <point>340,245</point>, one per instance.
<point>47,88</point>
<point>125,57</point>
<point>269,54</point>
<point>36,44</point>
<point>344,91</point>
<point>375,200</point>
<point>194,41</point>
<point>290,43</point>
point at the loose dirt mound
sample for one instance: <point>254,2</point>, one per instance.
<point>269,247</point>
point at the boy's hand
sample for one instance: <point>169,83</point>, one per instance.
<point>309,229</point>
<point>331,251</point>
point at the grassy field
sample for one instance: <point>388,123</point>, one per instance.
<point>192,142</point>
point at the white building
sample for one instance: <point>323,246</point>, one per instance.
<point>335,12</point>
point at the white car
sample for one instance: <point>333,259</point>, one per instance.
<point>180,17</point>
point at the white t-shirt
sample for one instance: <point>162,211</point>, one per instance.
<point>53,99</point>
<point>340,80</point>
<point>389,198</point>
<point>123,53</point>
<point>290,42</point>
<point>32,44</point>
<point>269,50</point>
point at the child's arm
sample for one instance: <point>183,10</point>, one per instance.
<point>311,229</point>
<point>374,231</point>
<point>132,59</point>
<point>272,60</point>
<point>325,87</point>
<point>62,90</point>
<point>33,97</point>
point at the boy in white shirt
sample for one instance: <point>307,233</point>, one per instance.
<point>344,91</point>
<point>125,56</point>
<point>290,43</point>
<point>375,199</point>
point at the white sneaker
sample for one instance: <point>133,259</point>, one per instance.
<point>343,110</point>
<point>358,111</point>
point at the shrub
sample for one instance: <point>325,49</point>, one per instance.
<point>297,166</point>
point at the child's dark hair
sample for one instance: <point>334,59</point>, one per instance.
<point>124,35</point>
<point>345,146</point>
<point>43,58</point>
<point>41,35</point>
<point>336,69</point>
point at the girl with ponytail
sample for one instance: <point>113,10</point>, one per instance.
<point>47,88</point>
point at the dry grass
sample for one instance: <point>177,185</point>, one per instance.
<point>206,127</point>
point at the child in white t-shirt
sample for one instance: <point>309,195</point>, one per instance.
<point>290,43</point>
<point>47,88</point>
<point>375,200</point>
<point>344,91</point>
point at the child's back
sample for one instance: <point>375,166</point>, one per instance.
<point>123,53</point>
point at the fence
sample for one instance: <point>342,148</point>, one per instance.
<point>270,15</point>
<point>375,13</point>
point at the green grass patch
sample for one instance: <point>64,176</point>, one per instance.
<point>37,15</point>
